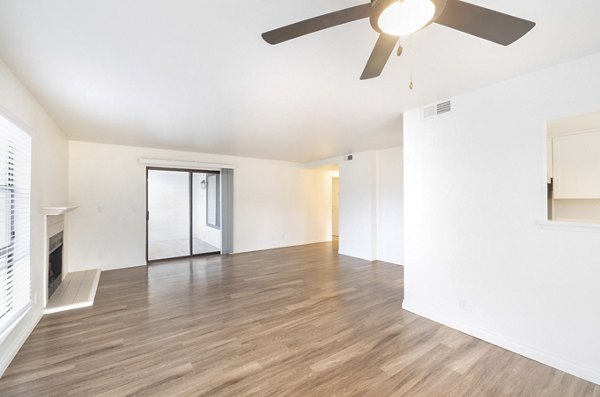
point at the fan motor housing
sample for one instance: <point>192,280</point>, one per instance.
<point>377,7</point>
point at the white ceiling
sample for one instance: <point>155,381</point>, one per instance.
<point>196,75</point>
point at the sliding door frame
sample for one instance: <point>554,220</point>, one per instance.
<point>191,173</point>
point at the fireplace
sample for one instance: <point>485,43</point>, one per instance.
<point>55,245</point>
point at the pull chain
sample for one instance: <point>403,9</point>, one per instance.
<point>410,62</point>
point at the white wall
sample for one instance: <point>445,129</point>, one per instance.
<point>390,206</point>
<point>371,220</point>
<point>358,206</point>
<point>48,188</point>
<point>276,203</point>
<point>475,184</point>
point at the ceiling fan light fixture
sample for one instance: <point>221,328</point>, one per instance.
<point>403,17</point>
<point>395,18</point>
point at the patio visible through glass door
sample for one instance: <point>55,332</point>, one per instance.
<point>183,213</point>
<point>206,231</point>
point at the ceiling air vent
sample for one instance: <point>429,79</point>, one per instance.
<point>434,110</point>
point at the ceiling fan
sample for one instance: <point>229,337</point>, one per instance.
<point>395,18</point>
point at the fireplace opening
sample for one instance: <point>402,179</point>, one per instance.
<point>55,245</point>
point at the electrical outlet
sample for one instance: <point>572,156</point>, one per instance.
<point>463,304</point>
<point>100,255</point>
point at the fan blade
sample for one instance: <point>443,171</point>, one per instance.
<point>317,23</point>
<point>484,23</point>
<point>381,53</point>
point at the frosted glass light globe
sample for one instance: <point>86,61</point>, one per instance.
<point>404,17</point>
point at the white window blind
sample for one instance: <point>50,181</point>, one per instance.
<point>15,186</point>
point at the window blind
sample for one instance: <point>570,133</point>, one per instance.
<point>15,187</point>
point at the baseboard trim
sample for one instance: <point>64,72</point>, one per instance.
<point>355,255</point>
<point>390,260</point>
<point>118,267</point>
<point>13,348</point>
<point>561,363</point>
<point>275,247</point>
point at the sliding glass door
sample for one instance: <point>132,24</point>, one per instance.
<point>183,213</point>
<point>206,230</point>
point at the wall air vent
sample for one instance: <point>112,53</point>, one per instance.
<point>434,110</point>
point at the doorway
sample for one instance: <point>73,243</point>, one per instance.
<point>183,213</point>
<point>335,207</point>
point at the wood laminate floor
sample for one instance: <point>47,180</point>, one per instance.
<point>298,321</point>
<point>163,249</point>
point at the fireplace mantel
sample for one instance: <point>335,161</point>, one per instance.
<point>57,210</point>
